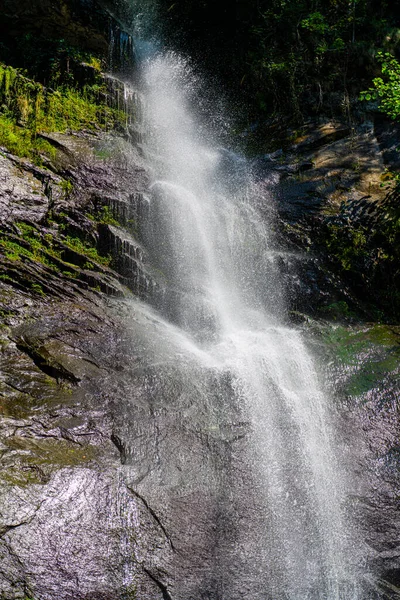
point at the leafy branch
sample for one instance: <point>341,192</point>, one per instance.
<point>386,89</point>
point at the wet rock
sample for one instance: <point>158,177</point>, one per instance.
<point>124,465</point>
<point>317,136</point>
<point>364,375</point>
<point>338,161</point>
<point>25,190</point>
<point>129,260</point>
<point>323,209</point>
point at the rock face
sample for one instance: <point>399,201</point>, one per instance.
<point>71,525</point>
<point>338,203</point>
<point>336,177</point>
<point>121,476</point>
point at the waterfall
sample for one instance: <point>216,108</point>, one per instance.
<point>221,311</point>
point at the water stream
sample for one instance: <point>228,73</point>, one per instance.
<point>222,310</point>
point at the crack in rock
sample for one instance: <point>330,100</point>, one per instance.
<point>153,514</point>
<point>164,590</point>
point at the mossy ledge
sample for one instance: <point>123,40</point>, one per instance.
<point>29,109</point>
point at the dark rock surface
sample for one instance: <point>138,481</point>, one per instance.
<point>335,193</point>
<point>71,527</point>
<point>363,376</point>
<point>121,476</point>
<point>344,183</point>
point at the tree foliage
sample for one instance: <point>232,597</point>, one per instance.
<point>386,89</point>
<point>291,57</point>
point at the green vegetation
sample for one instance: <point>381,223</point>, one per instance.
<point>384,242</point>
<point>41,457</point>
<point>14,251</point>
<point>87,250</point>
<point>22,142</point>
<point>5,278</point>
<point>37,288</point>
<point>314,52</point>
<point>54,452</point>
<point>369,355</point>
<point>28,109</point>
<point>29,244</point>
<point>130,592</point>
<point>67,186</point>
<point>288,58</point>
<point>348,245</point>
<point>46,250</point>
<point>386,88</point>
<point>106,217</point>
<point>54,61</point>
<point>339,311</point>
<point>369,257</point>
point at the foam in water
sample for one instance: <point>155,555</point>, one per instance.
<point>223,308</point>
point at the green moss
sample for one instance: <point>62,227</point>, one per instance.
<point>130,592</point>
<point>67,186</point>
<point>68,109</point>
<point>368,354</point>
<point>39,457</point>
<point>368,256</point>
<point>347,245</point>
<point>28,108</point>
<point>21,478</point>
<point>104,153</point>
<point>37,288</point>
<point>338,311</point>
<point>87,250</point>
<point>94,61</point>
<point>17,406</point>
<point>27,230</point>
<point>370,375</point>
<point>345,344</point>
<point>30,244</point>
<point>60,453</point>
<point>14,251</point>
<point>22,142</point>
<point>107,217</point>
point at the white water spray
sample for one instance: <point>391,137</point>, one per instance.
<point>224,304</point>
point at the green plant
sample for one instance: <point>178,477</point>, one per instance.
<point>14,251</point>
<point>346,244</point>
<point>107,217</point>
<point>26,230</point>
<point>28,108</point>
<point>22,142</point>
<point>386,88</point>
<point>94,62</point>
<point>70,274</point>
<point>37,288</point>
<point>6,278</point>
<point>67,186</point>
<point>87,250</point>
<point>130,592</point>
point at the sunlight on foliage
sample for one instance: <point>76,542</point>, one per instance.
<point>28,109</point>
<point>386,88</point>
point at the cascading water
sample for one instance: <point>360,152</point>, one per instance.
<point>221,311</point>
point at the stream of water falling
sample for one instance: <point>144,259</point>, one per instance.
<point>223,300</point>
